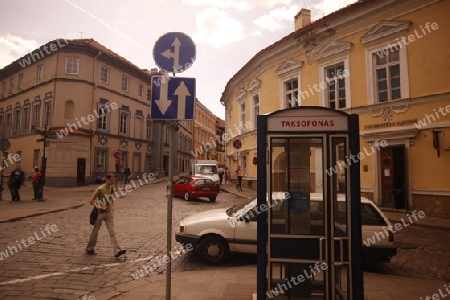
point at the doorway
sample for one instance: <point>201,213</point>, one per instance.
<point>81,171</point>
<point>393,177</point>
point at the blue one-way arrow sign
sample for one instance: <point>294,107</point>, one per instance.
<point>173,98</point>
<point>174,52</point>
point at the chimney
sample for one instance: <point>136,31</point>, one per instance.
<point>302,19</point>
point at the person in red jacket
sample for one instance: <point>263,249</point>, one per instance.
<point>37,184</point>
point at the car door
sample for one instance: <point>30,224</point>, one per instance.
<point>245,233</point>
<point>179,186</point>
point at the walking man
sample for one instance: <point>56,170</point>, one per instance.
<point>103,199</point>
<point>17,178</point>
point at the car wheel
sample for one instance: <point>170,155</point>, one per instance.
<point>214,249</point>
<point>212,199</point>
<point>186,196</point>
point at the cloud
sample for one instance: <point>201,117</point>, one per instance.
<point>242,5</point>
<point>217,28</point>
<point>274,20</point>
<point>13,47</point>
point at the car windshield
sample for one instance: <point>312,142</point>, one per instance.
<point>238,209</point>
<point>206,169</point>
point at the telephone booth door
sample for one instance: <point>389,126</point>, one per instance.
<point>309,226</point>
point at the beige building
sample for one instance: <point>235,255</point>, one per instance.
<point>91,103</point>
<point>207,141</point>
<point>386,61</point>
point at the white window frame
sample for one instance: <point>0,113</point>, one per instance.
<point>17,119</point>
<point>125,83</point>
<point>242,115</point>
<point>141,90</point>
<point>106,73</point>
<point>26,118</point>
<point>323,96</point>
<point>102,119</point>
<point>20,82</point>
<point>40,72</point>
<point>36,115</point>
<point>372,90</point>
<point>72,65</point>
<point>101,158</point>
<point>47,117</point>
<point>256,102</point>
<point>124,116</point>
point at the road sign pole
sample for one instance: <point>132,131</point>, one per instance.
<point>5,154</point>
<point>172,135</point>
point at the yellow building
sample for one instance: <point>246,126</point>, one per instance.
<point>91,103</point>
<point>383,60</point>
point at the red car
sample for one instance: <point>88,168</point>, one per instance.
<point>190,187</point>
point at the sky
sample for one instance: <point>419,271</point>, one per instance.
<point>226,33</point>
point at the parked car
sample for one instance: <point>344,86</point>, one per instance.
<point>216,233</point>
<point>190,187</point>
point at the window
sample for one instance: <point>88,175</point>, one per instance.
<point>40,72</point>
<point>149,95</point>
<point>2,117</point>
<point>138,127</point>
<point>36,116</point>
<point>141,90</point>
<point>124,118</point>
<point>291,93</point>
<point>387,75</point>
<point>255,101</point>
<point>3,88</point>
<point>101,158</point>
<point>102,118</point>
<point>47,113</point>
<point>149,129</point>
<point>72,65</point>
<point>335,78</point>
<point>8,118</point>
<point>104,75</point>
<point>20,83</point>
<point>124,83</point>
<point>242,119</point>
<point>11,85</point>
<point>69,110</point>
<point>26,119</point>
<point>17,120</point>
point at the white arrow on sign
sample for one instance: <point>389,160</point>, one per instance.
<point>182,92</point>
<point>175,54</point>
<point>163,102</point>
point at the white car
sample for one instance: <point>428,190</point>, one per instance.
<point>216,233</point>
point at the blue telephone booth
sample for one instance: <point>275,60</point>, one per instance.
<point>309,235</point>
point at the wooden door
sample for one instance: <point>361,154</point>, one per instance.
<point>387,177</point>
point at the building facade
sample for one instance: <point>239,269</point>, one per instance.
<point>207,143</point>
<point>383,60</point>
<point>92,104</point>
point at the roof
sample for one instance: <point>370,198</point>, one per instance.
<point>339,13</point>
<point>91,43</point>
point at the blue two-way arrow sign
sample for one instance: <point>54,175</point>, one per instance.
<point>173,98</point>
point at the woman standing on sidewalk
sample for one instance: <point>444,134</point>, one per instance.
<point>240,173</point>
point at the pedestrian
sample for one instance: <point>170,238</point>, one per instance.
<point>227,175</point>
<point>17,179</point>
<point>103,199</point>
<point>127,174</point>
<point>36,181</point>
<point>239,173</point>
<point>221,173</point>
